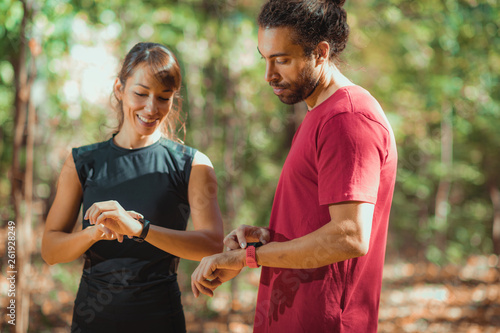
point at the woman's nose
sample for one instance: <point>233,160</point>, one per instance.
<point>150,105</point>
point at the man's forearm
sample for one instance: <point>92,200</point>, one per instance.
<point>311,251</point>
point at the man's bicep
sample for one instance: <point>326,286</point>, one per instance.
<point>353,220</point>
<point>349,156</point>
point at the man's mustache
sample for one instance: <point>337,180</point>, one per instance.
<point>276,85</point>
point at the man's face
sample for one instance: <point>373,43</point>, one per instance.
<point>290,73</point>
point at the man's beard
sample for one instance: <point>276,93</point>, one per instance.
<point>301,89</point>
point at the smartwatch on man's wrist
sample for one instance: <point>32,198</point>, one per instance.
<point>145,229</point>
<point>251,260</point>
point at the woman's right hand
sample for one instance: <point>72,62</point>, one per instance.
<point>114,218</point>
<point>100,232</point>
<point>241,236</point>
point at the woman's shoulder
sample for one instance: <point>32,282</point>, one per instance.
<point>178,148</point>
<point>90,148</point>
<point>180,156</point>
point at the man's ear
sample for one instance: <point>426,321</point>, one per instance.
<point>322,52</point>
<point>118,89</point>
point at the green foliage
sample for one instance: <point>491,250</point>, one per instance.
<point>418,58</point>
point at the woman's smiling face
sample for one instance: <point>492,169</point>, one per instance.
<point>146,102</point>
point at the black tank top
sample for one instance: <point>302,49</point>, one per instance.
<point>152,181</point>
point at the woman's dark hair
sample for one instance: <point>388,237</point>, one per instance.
<point>312,21</point>
<point>165,67</point>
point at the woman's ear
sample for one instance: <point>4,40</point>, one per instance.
<point>118,89</point>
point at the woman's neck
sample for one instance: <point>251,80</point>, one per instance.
<point>135,141</point>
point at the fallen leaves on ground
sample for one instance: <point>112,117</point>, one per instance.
<point>418,297</point>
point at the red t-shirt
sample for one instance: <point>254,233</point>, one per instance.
<point>344,150</point>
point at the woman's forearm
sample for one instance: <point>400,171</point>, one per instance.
<point>205,240</point>
<point>192,245</point>
<point>61,247</point>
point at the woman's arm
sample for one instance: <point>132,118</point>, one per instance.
<point>207,236</point>
<point>59,243</point>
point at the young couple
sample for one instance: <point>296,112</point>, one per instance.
<point>323,252</point>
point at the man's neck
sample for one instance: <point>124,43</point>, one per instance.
<point>331,79</point>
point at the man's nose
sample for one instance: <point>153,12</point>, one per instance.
<point>271,74</point>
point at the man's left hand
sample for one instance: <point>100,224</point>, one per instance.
<point>215,270</point>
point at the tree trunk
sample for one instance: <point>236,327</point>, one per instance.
<point>22,181</point>
<point>443,192</point>
<point>495,199</point>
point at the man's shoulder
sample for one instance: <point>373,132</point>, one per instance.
<point>350,99</point>
<point>354,101</point>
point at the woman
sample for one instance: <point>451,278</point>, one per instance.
<point>142,185</point>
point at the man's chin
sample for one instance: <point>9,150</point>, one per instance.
<point>290,100</point>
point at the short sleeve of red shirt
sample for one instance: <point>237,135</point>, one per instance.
<point>350,152</point>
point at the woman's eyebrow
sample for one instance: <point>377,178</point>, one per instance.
<point>146,87</point>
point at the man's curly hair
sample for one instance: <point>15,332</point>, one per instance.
<point>312,21</point>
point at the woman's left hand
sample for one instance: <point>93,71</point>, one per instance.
<point>114,217</point>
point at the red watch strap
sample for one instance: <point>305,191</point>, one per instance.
<point>250,257</point>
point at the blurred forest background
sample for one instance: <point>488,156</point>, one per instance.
<point>433,65</point>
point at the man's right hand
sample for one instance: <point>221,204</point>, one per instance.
<point>240,237</point>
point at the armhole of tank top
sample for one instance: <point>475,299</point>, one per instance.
<point>74,154</point>
<point>191,157</point>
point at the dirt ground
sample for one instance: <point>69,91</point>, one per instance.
<point>415,298</point>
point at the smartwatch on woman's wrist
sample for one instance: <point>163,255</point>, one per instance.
<point>145,229</point>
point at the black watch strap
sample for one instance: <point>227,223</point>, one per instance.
<point>145,230</point>
<point>255,244</point>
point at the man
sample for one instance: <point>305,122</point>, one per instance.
<point>323,252</point>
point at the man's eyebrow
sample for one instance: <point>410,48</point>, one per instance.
<point>146,87</point>
<point>282,54</point>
